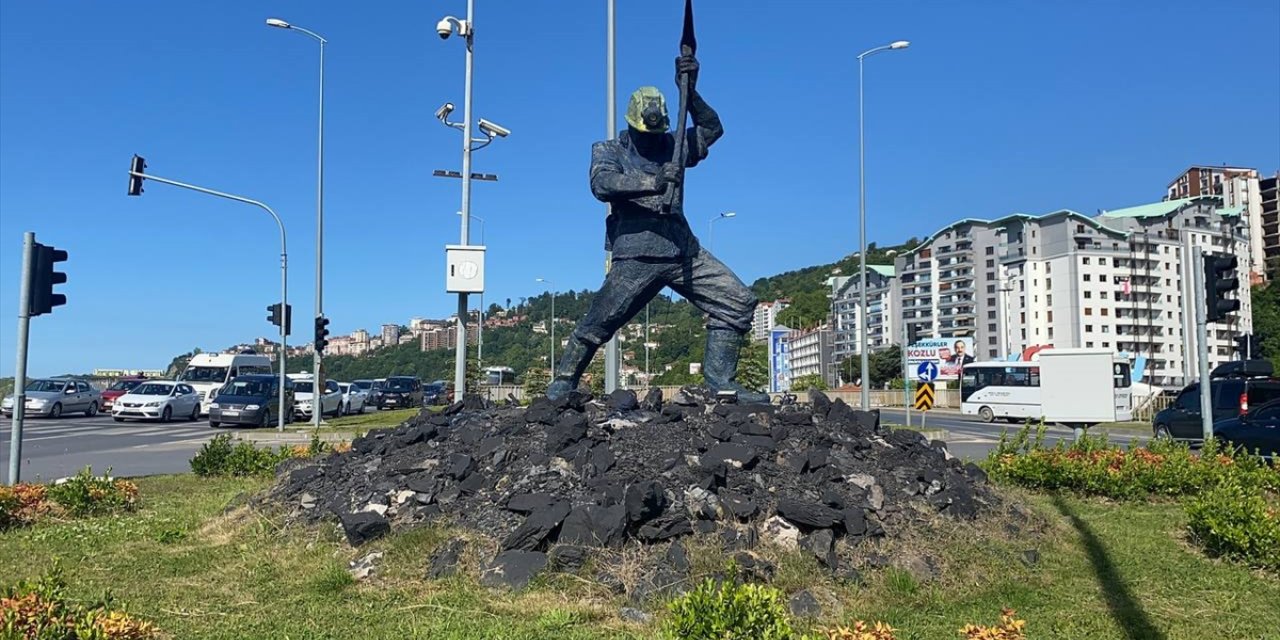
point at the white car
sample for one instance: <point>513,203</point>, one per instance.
<point>353,398</point>
<point>303,396</point>
<point>161,400</point>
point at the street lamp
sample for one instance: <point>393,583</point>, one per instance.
<point>862,226</point>
<point>315,353</point>
<point>446,27</point>
<point>711,229</point>
<point>552,325</point>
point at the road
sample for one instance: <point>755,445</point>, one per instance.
<point>57,448</point>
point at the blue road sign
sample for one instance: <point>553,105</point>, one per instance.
<point>927,371</point>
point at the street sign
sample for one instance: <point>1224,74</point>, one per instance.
<point>924,397</point>
<point>927,371</point>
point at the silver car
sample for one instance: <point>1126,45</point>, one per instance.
<point>53,397</point>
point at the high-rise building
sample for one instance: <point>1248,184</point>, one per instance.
<point>1270,224</point>
<point>883,318</point>
<point>809,353</point>
<point>766,318</point>
<point>390,335</point>
<point>1241,193</point>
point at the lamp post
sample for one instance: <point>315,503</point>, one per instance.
<point>480,328</point>
<point>611,359</point>
<point>862,224</point>
<point>551,326</point>
<point>465,29</point>
<point>711,227</point>
<point>316,356</point>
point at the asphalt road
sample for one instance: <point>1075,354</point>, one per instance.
<point>57,448</point>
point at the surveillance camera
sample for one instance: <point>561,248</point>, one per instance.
<point>444,111</point>
<point>444,28</point>
<point>494,129</point>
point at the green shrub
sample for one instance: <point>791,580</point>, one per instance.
<point>211,460</point>
<point>219,457</point>
<point>805,383</point>
<point>729,611</point>
<point>1093,466</point>
<point>42,610</point>
<point>85,494</point>
<point>1235,521</point>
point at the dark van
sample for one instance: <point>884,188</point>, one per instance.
<point>1234,388</point>
<point>250,400</point>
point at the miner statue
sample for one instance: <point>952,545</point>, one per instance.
<point>640,174</point>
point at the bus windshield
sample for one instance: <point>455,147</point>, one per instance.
<point>204,374</point>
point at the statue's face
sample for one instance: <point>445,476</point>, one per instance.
<point>647,111</point>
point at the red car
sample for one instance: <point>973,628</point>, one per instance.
<point>121,387</point>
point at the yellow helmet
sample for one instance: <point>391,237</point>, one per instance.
<point>647,111</point>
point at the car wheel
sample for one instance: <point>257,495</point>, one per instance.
<point>986,415</point>
<point>56,410</point>
<point>1162,432</point>
<point>214,424</point>
<point>266,419</point>
<point>166,415</point>
<point>195,413</point>
<point>92,410</point>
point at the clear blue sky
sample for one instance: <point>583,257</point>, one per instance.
<point>996,107</point>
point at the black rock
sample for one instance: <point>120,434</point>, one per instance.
<point>473,484</point>
<point>474,402</point>
<point>735,540</point>
<point>721,431</point>
<point>817,458</point>
<point>568,557</point>
<point>975,473</point>
<point>513,569</point>
<point>365,444</point>
<point>741,506</point>
<point>808,514</point>
<point>832,499</point>
<point>533,533</point>
<point>854,521</point>
<point>734,454</point>
<point>753,568</point>
<point>414,435</point>
<point>623,400</point>
<point>753,428</point>
<point>363,526</point>
<point>644,501</point>
<point>541,411</point>
<point>652,400</point>
<point>458,466</point>
<point>763,442</point>
<point>822,545</point>
<point>850,576</point>
<point>1030,557</point>
<point>712,476</point>
<point>453,409</point>
<point>569,428</point>
<point>530,502</point>
<point>594,525</point>
<point>631,614</point>
<point>439,420</point>
<point>678,557</point>
<point>303,475</point>
<point>819,403</point>
<point>665,528</point>
<point>804,605</point>
<point>444,562</point>
<point>796,417</point>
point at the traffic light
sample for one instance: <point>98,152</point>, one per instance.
<point>1220,282</point>
<point>1249,347</point>
<point>137,166</point>
<point>277,317</point>
<point>322,333</point>
<point>43,279</point>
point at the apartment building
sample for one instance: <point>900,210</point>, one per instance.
<point>809,353</point>
<point>1119,280</point>
<point>1240,189</point>
<point>1270,223</point>
<point>390,334</point>
<point>882,318</point>
<point>765,319</point>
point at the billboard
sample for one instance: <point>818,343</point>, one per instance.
<point>950,354</point>
<point>779,368</point>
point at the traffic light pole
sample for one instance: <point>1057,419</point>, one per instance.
<point>284,277</point>
<point>20,369</point>
<point>1202,343</point>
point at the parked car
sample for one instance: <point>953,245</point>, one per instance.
<point>158,400</point>
<point>251,399</point>
<point>53,397</point>
<point>119,388</point>
<point>1234,387</point>
<point>434,393</point>
<point>303,393</point>
<point>1255,432</point>
<point>400,392</point>
<point>353,398</point>
<point>375,391</point>
<point>207,372</point>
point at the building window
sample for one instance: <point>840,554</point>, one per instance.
<point>991,250</point>
<point>1084,260</point>
<point>1023,317</point>
<point>1050,316</point>
<point>1048,299</point>
<point>1102,260</point>
<point>1106,328</point>
<point>1088,328</point>
<point>1106,345</point>
<point>991,263</point>
<point>1104,311</point>
<point>1104,295</point>
<point>1050,333</point>
<point>991,288</point>
<point>1088,295</point>
<point>1048,283</point>
<point>1088,277</point>
<point>1088,311</point>
<point>991,315</point>
<point>1048,267</point>
<point>991,301</point>
<point>991,327</point>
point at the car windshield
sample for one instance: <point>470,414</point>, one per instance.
<point>245,388</point>
<point>47,386</point>
<point>302,387</point>
<point>124,385</point>
<point>363,385</point>
<point>345,387</point>
<point>204,374</point>
<point>152,389</point>
<point>401,384</point>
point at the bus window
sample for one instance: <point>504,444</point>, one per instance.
<point>1033,378</point>
<point>1120,375</point>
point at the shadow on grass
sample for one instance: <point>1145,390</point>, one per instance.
<point>1125,608</point>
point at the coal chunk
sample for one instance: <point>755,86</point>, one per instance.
<point>569,557</point>
<point>444,562</point>
<point>809,514</point>
<point>734,454</point>
<point>513,569</point>
<point>665,528</point>
<point>569,428</point>
<point>652,400</point>
<point>458,466</point>
<point>854,521</point>
<point>623,400</point>
<point>678,557</point>
<point>821,544</point>
<point>741,506</point>
<point>594,525</point>
<point>363,527</point>
<point>541,411</point>
<point>644,501</point>
<point>530,502</point>
<point>804,605</point>
<point>534,531</point>
<point>820,404</point>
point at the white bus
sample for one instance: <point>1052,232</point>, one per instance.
<point>1067,386</point>
<point>207,372</point>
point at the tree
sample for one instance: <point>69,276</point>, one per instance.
<point>753,366</point>
<point>535,383</point>
<point>805,383</point>
<point>1265,300</point>
<point>807,310</point>
<point>884,366</point>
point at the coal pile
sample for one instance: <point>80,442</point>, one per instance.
<point>559,481</point>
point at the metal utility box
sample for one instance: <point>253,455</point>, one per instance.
<point>464,268</point>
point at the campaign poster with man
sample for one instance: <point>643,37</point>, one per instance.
<point>950,354</point>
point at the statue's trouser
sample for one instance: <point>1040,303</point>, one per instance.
<point>703,280</point>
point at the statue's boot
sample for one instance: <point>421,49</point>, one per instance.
<point>577,355</point>
<point>720,366</point>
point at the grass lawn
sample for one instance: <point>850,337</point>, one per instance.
<point>201,570</point>
<point>371,420</point>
